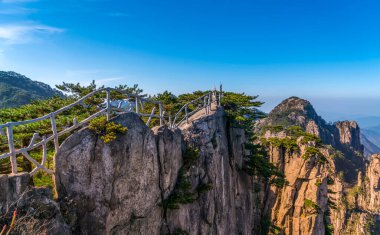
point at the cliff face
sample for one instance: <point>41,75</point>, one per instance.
<point>191,180</point>
<point>302,205</point>
<point>330,190</point>
<point>144,183</point>
<point>372,185</point>
<point>111,188</point>
<point>349,134</point>
<point>343,136</point>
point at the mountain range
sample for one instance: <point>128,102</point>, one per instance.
<point>17,90</point>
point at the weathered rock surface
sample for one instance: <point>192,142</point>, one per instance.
<point>37,212</point>
<point>123,187</point>
<point>170,146</point>
<point>12,186</point>
<point>349,134</point>
<point>372,184</point>
<point>231,206</point>
<point>302,205</point>
<point>338,195</point>
<point>119,188</point>
<point>113,188</point>
<point>343,136</point>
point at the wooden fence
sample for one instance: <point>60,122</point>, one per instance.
<point>204,102</point>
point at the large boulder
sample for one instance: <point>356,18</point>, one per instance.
<point>111,188</point>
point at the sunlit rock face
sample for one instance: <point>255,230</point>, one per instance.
<point>335,196</point>
<point>113,187</point>
<point>122,187</point>
<point>119,188</point>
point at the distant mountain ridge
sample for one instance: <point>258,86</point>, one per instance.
<point>17,90</point>
<point>369,146</point>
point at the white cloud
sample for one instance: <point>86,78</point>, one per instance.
<point>25,33</point>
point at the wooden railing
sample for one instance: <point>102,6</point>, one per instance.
<point>204,102</point>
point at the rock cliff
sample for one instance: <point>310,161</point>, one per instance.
<point>330,190</point>
<point>193,179</point>
<point>342,136</point>
<point>159,181</point>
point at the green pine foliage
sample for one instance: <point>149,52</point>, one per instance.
<point>311,151</point>
<point>107,130</point>
<point>309,205</point>
<point>243,111</point>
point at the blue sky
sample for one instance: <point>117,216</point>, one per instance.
<point>325,51</point>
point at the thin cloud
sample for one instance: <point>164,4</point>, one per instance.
<point>17,11</point>
<point>2,56</point>
<point>104,81</point>
<point>25,33</point>
<point>17,1</point>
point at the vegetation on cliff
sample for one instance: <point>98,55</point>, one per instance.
<point>242,112</point>
<point>107,130</point>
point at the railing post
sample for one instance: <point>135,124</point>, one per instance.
<point>205,104</point>
<point>12,148</point>
<point>137,105</point>
<point>108,114</point>
<point>75,122</point>
<point>220,95</point>
<point>209,102</point>
<point>55,132</point>
<point>150,117</point>
<point>160,106</point>
<point>187,117</point>
<point>214,96</point>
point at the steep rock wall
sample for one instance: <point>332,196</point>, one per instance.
<point>121,187</point>
<point>112,188</point>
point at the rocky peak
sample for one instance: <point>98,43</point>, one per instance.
<point>349,134</point>
<point>294,111</point>
<point>343,136</point>
<point>293,102</point>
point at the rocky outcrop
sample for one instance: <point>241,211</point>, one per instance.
<point>231,206</point>
<point>12,186</point>
<point>193,180</point>
<point>349,135</point>
<point>372,185</point>
<point>37,212</point>
<point>338,195</point>
<point>343,136</point>
<point>124,187</point>
<point>111,188</point>
<point>305,204</point>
